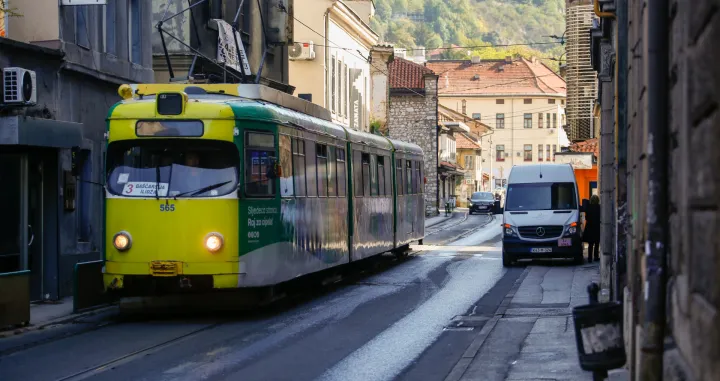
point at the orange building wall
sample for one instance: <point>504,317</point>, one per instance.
<point>583,178</point>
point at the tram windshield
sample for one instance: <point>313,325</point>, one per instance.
<point>172,168</point>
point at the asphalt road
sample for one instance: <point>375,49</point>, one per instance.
<point>411,321</point>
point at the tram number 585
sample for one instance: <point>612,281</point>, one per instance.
<point>167,208</point>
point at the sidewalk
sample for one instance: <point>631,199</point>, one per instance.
<point>50,320</point>
<point>432,221</point>
<point>532,337</point>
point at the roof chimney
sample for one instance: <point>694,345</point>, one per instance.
<point>533,59</point>
<point>508,59</point>
<point>475,59</point>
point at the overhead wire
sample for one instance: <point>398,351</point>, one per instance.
<point>350,51</point>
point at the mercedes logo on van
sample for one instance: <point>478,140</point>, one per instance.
<point>540,231</point>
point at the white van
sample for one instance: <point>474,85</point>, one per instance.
<point>541,217</point>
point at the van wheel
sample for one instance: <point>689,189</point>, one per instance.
<point>508,261</point>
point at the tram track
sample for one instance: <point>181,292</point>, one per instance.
<point>129,357</point>
<point>313,289</point>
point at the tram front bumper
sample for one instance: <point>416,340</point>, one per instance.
<point>169,277</point>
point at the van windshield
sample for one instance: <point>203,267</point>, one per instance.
<point>540,196</point>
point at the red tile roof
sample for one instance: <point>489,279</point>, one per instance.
<point>407,74</point>
<point>590,145</point>
<point>462,141</point>
<point>522,76</point>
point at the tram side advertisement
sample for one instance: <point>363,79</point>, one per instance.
<point>260,224</point>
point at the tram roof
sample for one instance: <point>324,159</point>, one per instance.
<point>402,146</point>
<point>258,110</point>
<point>372,140</point>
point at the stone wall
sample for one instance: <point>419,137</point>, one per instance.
<point>694,255</point>
<point>693,252</point>
<point>413,118</point>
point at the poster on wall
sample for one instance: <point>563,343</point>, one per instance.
<point>3,17</point>
<point>356,102</point>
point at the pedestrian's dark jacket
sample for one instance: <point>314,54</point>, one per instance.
<point>591,234</point>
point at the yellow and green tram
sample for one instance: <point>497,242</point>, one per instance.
<point>207,190</point>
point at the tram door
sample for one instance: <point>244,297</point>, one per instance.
<point>21,211</point>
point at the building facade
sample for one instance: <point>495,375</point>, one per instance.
<point>413,117</point>
<point>460,137</point>
<point>521,100</point>
<point>469,153</point>
<point>264,30</point>
<point>51,150</point>
<point>659,182</point>
<point>580,76</point>
<point>334,69</point>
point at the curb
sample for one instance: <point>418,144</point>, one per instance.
<point>438,222</point>
<point>472,350</point>
<point>24,341</point>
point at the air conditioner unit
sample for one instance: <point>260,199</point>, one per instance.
<point>19,87</point>
<point>299,51</point>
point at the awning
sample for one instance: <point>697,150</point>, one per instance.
<point>37,132</point>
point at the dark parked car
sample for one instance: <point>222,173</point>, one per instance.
<point>481,202</point>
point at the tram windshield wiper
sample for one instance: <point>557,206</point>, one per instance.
<point>203,190</point>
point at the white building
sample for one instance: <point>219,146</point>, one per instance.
<point>329,62</point>
<point>522,100</point>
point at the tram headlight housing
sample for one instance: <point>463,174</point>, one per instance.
<point>122,241</point>
<point>214,242</point>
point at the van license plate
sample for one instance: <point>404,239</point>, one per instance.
<point>541,250</point>
<point>565,242</point>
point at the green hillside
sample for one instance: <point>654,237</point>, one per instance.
<point>469,23</point>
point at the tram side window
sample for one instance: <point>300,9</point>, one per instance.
<point>321,151</point>
<point>357,170</point>
<point>366,173</point>
<point>259,154</point>
<point>341,170</point>
<point>409,176</point>
<point>286,179</point>
<point>388,175</point>
<point>381,175</point>
<point>298,148</point>
<point>418,178</point>
<point>311,170</point>
<point>373,175</point>
<point>331,167</point>
<point>422,177</point>
<point>399,177</point>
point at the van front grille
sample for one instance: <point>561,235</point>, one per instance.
<point>540,232</point>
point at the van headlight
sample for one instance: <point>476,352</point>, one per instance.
<point>572,229</point>
<point>122,241</point>
<point>508,229</point>
<point>214,242</point>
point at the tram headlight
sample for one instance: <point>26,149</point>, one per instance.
<point>214,242</point>
<point>122,241</point>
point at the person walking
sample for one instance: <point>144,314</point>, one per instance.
<point>591,234</point>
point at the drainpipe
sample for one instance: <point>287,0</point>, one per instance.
<point>326,17</point>
<point>600,14</point>
<point>437,143</point>
<point>651,367</point>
